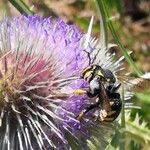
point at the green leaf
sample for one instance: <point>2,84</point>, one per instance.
<point>115,141</point>
<point>137,130</point>
<point>143,97</point>
<point>110,147</point>
<point>101,135</point>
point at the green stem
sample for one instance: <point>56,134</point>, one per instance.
<point>21,7</point>
<point>123,125</point>
<point>123,109</point>
<point>103,24</point>
<point>119,6</point>
<point>123,50</point>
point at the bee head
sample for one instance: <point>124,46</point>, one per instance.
<point>89,73</point>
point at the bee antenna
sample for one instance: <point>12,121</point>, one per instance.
<point>95,55</point>
<point>88,53</point>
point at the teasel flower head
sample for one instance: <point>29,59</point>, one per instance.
<point>40,64</point>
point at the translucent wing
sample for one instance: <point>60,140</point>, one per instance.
<point>135,84</point>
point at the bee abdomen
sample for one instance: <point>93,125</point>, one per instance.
<point>116,106</point>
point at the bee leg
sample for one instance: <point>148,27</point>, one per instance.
<point>111,113</point>
<point>96,114</point>
<point>115,87</point>
<point>109,119</point>
<point>102,114</point>
<point>87,109</point>
<point>81,114</point>
<point>110,116</point>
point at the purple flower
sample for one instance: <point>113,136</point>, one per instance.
<point>40,65</point>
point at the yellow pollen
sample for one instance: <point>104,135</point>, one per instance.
<point>80,91</point>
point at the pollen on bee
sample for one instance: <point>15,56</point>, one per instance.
<point>79,91</point>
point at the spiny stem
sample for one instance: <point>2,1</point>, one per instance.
<point>123,109</point>
<point>21,7</point>
<point>123,125</point>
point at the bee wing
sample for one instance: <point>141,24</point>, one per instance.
<point>136,84</point>
<point>105,105</point>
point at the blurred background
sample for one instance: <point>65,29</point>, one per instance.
<point>131,20</point>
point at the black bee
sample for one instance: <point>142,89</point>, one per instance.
<point>113,97</point>
<point>103,87</point>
